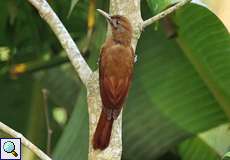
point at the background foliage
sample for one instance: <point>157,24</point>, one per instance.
<point>178,106</point>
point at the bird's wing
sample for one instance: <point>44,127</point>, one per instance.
<point>115,76</point>
<point>114,91</point>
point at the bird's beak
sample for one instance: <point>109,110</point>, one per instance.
<point>106,15</point>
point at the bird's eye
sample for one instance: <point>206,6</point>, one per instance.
<point>116,23</point>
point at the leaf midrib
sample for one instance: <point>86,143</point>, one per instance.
<point>210,83</point>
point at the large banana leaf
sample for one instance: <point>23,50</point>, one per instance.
<point>169,99</point>
<point>211,145</point>
<point>195,148</point>
<point>207,46</point>
<point>175,89</point>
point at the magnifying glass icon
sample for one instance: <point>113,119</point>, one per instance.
<point>9,147</point>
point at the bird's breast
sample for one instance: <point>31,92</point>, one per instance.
<point>118,61</point>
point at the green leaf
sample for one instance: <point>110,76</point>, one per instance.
<point>206,43</point>
<point>171,100</point>
<point>33,40</point>
<point>36,130</point>
<point>22,109</point>
<point>158,5</point>
<point>64,89</point>
<point>196,148</point>
<point>72,5</point>
<point>226,156</point>
<point>3,19</point>
<point>211,145</point>
<point>15,100</point>
<point>74,142</point>
<point>217,138</point>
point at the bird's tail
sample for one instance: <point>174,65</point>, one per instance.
<point>102,134</point>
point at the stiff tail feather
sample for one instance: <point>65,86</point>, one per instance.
<point>102,134</point>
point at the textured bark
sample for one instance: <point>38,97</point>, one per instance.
<point>113,152</point>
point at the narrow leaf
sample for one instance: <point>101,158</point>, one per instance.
<point>72,6</point>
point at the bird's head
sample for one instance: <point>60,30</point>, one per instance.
<point>121,27</point>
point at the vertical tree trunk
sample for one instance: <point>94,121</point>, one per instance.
<point>130,9</point>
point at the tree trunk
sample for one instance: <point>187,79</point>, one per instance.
<point>131,10</point>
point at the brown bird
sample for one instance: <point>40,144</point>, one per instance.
<point>115,74</point>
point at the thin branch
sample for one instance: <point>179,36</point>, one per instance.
<point>49,130</point>
<point>164,13</point>
<point>24,141</point>
<point>66,41</point>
